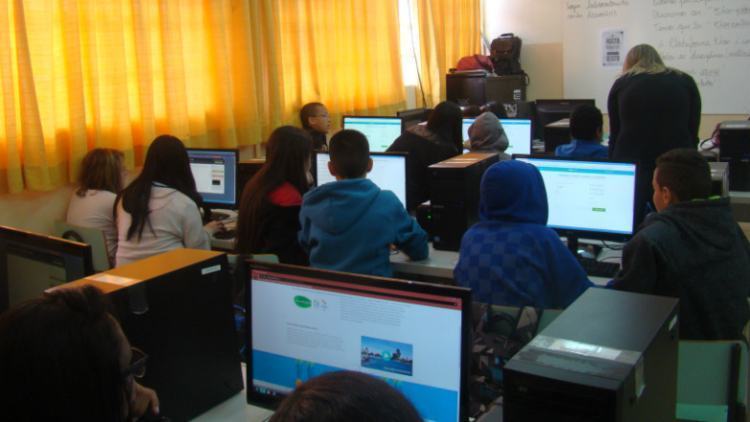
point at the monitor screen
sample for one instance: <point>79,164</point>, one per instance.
<point>589,198</point>
<point>388,172</point>
<point>215,174</point>
<point>306,322</point>
<point>30,263</point>
<point>518,132</point>
<point>380,131</point>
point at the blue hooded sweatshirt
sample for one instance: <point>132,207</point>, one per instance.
<point>348,225</point>
<point>510,257</point>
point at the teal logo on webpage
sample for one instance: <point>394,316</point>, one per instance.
<point>302,302</point>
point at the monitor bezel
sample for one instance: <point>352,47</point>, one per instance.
<point>462,293</point>
<point>221,205</point>
<point>344,117</point>
<point>592,234</point>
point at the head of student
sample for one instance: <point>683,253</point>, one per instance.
<point>350,155</point>
<point>345,396</point>
<point>487,133</point>
<point>101,169</point>
<point>681,175</point>
<point>64,357</point>
<point>586,123</point>
<point>446,122</point>
<point>513,191</point>
<point>314,117</point>
<point>643,58</point>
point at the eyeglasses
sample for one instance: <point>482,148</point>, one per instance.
<point>137,366</point>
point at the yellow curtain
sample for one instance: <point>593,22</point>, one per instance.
<point>448,30</point>
<point>80,74</point>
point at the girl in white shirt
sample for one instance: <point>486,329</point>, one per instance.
<point>159,210</point>
<point>92,204</point>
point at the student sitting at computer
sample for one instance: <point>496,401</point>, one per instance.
<point>486,134</point>
<point>64,357</point>
<point>692,249</point>
<point>350,224</point>
<point>158,211</point>
<point>345,396</point>
<point>316,121</point>
<point>100,178</point>
<point>268,219</point>
<point>585,134</point>
<point>428,144</point>
<point>510,257</point>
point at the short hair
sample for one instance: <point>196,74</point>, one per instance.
<point>685,172</point>
<point>585,120</point>
<point>345,396</point>
<point>60,359</point>
<point>100,170</point>
<point>308,110</point>
<point>350,153</point>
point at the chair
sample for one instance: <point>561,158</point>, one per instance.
<point>712,380</point>
<point>94,237</point>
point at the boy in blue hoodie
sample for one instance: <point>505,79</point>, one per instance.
<point>510,257</point>
<point>350,224</point>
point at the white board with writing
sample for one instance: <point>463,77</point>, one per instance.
<point>709,39</point>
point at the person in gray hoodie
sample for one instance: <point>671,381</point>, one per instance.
<point>486,134</point>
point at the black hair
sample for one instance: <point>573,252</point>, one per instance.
<point>308,110</point>
<point>166,163</point>
<point>350,153</point>
<point>345,396</point>
<point>446,122</point>
<point>60,359</point>
<point>685,172</point>
<point>288,157</point>
<point>585,121</point>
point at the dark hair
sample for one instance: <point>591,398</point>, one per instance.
<point>60,359</point>
<point>345,396</point>
<point>288,156</point>
<point>308,110</point>
<point>685,172</point>
<point>585,120</point>
<point>100,170</point>
<point>350,153</point>
<point>166,163</point>
<point>446,122</point>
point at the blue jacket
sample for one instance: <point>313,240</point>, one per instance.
<point>582,149</point>
<point>348,225</point>
<point>510,257</point>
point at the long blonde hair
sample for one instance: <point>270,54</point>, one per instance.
<point>643,58</point>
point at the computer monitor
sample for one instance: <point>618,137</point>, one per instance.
<point>413,117</point>
<point>31,262</point>
<point>518,132</point>
<point>215,174</point>
<point>594,199</point>
<point>303,322</point>
<point>380,131</point>
<point>549,111</point>
<point>388,171</point>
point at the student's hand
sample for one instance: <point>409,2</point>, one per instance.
<point>143,400</point>
<point>214,226</point>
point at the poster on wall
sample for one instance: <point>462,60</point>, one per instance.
<point>613,45</point>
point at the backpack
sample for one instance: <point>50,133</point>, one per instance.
<point>475,62</point>
<point>505,53</point>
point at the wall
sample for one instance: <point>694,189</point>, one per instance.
<point>34,211</point>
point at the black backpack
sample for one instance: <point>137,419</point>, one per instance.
<point>505,53</point>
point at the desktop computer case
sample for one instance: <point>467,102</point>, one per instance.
<point>735,148</point>
<point>611,356</point>
<point>177,307</point>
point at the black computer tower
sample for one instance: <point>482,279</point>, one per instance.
<point>735,148</point>
<point>719,178</point>
<point>454,197</point>
<point>479,88</point>
<point>611,356</point>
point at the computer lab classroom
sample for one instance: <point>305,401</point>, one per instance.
<point>223,335</point>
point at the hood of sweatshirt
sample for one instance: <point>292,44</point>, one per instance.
<point>335,206</point>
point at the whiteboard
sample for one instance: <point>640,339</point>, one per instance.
<point>709,39</point>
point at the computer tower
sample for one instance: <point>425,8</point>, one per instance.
<point>245,171</point>
<point>611,356</point>
<point>735,148</point>
<point>719,178</point>
<point>177,308</point>
<point>555,134</point>
<point>466,88</point>
<point>454,196</point>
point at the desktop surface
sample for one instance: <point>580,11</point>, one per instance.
<point>380,131</point>
<point>518,132</point>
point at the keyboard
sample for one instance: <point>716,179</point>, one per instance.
<point>225,234</point>
<point>219,216</point>
<point>596,268</point>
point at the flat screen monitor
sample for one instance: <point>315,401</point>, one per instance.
<point>304,322</point>
<point>589,198</point>
<point>215,174</point>
<point>31,263</point>
<point>518,132</point>
<point>388,171</point>
<point>413,116</point>
<point>549,111</point>
<point>380,131</point>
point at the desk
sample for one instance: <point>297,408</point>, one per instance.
<point>235,409</point>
